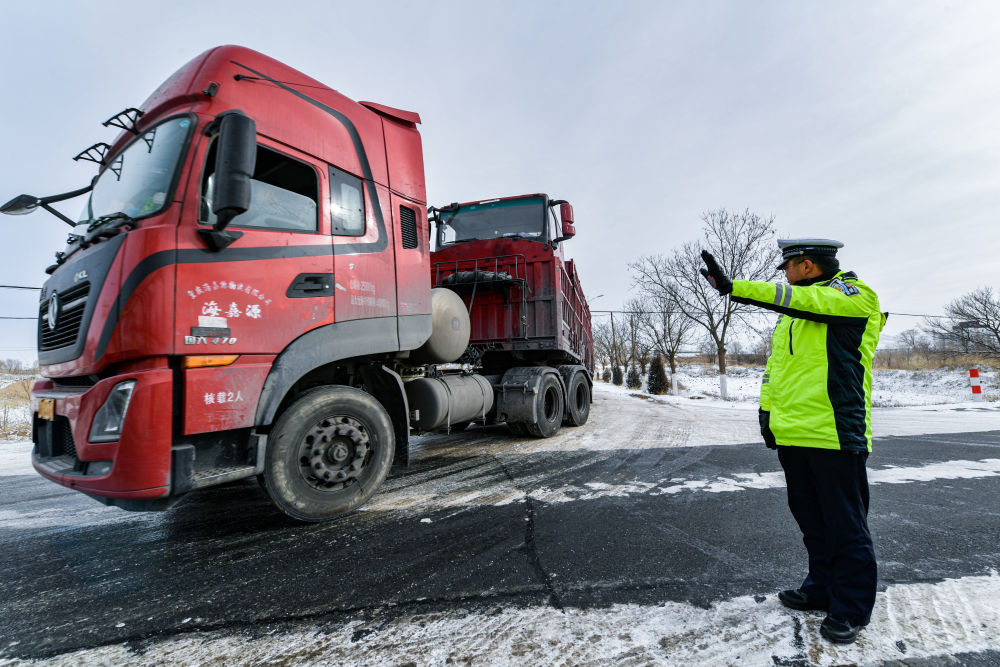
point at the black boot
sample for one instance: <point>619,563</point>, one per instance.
<point>839,630</point>
<point>796,599</point>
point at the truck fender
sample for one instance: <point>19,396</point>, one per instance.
<point>515,395</point>
<point>331,343</point>
<point>387,387</point>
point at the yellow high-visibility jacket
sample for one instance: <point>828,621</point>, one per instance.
<point>818,381</point>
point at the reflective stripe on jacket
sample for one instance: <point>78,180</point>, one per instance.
<point>818,381</point>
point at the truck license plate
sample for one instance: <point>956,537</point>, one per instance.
<point>47,408</point>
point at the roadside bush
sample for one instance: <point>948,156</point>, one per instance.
<point>656,383</point>
<point>633,380</point>
<point>616,375</point>
<point>606,374</point>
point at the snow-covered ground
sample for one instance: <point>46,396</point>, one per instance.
<point>934,620</point>
<point>890,388</point>
<point>744,630</point>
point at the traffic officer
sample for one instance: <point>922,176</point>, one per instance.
<point>815,409</point>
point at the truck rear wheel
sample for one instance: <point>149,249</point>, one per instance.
<point>549,403</point>
<point>328,453</point>
<point>578,400</point>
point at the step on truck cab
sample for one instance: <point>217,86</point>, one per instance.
<point>250,290</point>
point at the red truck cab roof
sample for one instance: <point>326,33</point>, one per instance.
<point>328,125</point>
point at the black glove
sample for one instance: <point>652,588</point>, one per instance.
<point>764,417</point>
<point>714,275</point>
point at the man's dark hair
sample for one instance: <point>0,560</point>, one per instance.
<point>825,263</point>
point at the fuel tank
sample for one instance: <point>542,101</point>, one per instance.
<point>450,334</point>
<point>452,399</point>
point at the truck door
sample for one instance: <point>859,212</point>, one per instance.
<point>257,295</point>
<point>364,251</point>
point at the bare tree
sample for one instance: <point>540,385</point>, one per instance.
<point>635,316</point>
<point>664,328</point>
<point>608,342</point>
<point>602,343</point>
<point>10,365</point>
<point>973,323</point>
<point>742,244</point>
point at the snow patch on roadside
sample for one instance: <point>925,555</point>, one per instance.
<point>78,511</point>
<point>500,492</point>
<point>767,480</point>
<point>943,470</point>
<point>890,387</point>
<point>15,458</point>
<point>910,621</point>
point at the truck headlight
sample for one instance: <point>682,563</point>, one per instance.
<point>107,425</point>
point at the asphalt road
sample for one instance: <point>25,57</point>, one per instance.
<point>481,520</point>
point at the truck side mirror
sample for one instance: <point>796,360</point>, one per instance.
<point>566,215</point>
<point>235,159</point>
<point>20,205</point>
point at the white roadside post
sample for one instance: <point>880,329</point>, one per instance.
<point>673,384</point>
<point>977,389</point>
<point>723,387</point>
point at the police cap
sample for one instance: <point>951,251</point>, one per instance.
<point>795,247</point>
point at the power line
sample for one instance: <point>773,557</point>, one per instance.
<point>677,312</point>
<point>20,287</point>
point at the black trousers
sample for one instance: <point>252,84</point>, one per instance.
<point>828,496</point>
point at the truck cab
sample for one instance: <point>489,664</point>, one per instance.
<point>168,343</point>
<point>505,257</point>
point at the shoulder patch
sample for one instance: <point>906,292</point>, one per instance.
<point>845,288</point>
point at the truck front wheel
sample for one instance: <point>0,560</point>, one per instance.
<point>328,453</point>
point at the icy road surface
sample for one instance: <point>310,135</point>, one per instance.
<point>655,534</point>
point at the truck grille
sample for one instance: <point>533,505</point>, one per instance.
<point>72,304</point>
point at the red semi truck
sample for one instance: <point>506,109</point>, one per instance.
<point>251,290</point>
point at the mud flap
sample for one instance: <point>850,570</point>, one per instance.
<point>387,387</point>
<point>181,469</point>
<point>515,397</point>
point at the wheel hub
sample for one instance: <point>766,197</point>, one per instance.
<point>333,453</point>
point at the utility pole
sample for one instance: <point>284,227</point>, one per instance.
<point>614,340</point>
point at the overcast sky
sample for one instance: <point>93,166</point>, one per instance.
<point>877,124</point>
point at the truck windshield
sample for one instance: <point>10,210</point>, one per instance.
<point>504,218</point>
<point>137,181</point>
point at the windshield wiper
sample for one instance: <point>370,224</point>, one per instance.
<point>123,219</point>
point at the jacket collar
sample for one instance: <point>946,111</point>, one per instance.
<point>822,278</point>
<point>827,277</point>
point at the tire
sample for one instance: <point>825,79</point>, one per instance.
<point>328,453</point>
<point>577,400</point>
<point>549,402</point>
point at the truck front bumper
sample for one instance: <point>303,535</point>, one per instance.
<point>136,466</point>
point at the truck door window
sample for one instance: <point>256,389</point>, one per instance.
<point>347,204</point>
<point>283,194</point>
